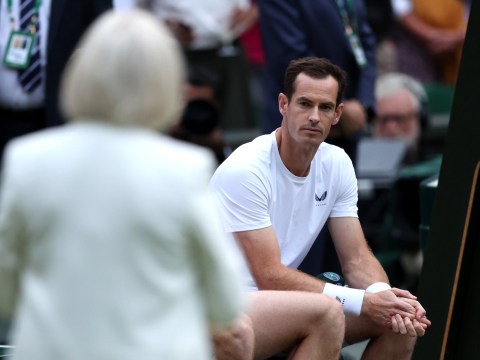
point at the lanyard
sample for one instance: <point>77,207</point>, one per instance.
<point>349,23</point>
<point>351,29</point>
<point>36,8</point>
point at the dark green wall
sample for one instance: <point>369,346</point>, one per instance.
<point>462,153</point>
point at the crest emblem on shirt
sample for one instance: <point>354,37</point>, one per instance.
<point>321,200</point>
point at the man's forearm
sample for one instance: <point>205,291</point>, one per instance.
<point>285,278</point>
<point>365,272</point>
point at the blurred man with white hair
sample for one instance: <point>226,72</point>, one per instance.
<point>400,102</point>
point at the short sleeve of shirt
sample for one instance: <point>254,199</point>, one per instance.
<point>242,192</point>
<point>346,202</point>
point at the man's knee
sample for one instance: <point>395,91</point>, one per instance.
<point>405,342</point>
<point>328,321</point>
<point>244,328</point>
<point>334,317</point>
<point>235,342</point>
<point>397,345</point>
<point>326,331</point>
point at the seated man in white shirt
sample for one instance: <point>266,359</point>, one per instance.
<point>275,194</point>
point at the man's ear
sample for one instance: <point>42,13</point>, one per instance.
<point>338,113</point>
<point>282,103</point>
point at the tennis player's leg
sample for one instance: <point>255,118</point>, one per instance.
<point>308,325</point>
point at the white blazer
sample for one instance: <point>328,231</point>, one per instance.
<point>110,247</point>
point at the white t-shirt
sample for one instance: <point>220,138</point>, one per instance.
<point>255,190</point>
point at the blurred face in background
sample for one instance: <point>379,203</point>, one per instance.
<point>397,118</point>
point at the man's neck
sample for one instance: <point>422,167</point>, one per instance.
<point>296,157</point>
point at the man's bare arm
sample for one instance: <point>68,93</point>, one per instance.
<point>361,269</point>
<point>359,266</point>
<point>263,257</point>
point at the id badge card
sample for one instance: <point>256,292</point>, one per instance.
<point>19,50</point>
<point>357,48</point>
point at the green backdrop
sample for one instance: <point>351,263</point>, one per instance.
<point>449,286</point>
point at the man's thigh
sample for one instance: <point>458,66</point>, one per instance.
<point>281,318</point>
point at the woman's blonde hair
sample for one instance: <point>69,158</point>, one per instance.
<point>128,70</point>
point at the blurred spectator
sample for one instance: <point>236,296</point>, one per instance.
<point>200,123</point>
<point>209,31</point>
<point>251,41</point>
<point>56,26</point>
<point>380,17</point>
<point>202,84</point>
<point>401,109</point>
<point>401,115</point>
<point>120,254</point>
<point>431,38</point>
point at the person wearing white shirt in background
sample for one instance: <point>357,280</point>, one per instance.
<point>209,32</point>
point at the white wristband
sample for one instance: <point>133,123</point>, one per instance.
<point>377,287</point>
<point>351,299</point>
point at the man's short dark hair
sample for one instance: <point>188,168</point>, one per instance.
<point>314,67</point>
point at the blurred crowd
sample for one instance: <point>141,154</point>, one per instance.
<point>238,49</point>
